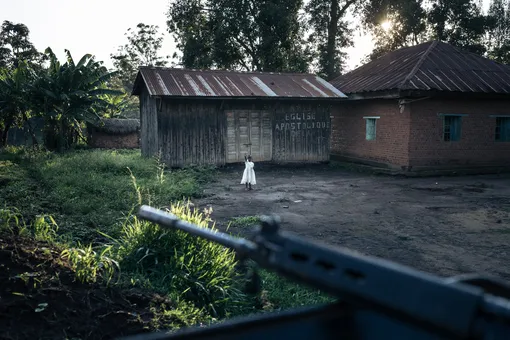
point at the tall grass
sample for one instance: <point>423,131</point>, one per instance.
<point>89,190</point>
<point>184,266</point>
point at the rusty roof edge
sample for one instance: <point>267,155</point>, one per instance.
<point>418,64</point>
<point>401,93</point>
<point>255,98</point>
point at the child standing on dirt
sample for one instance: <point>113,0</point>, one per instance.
<point>249,173</point>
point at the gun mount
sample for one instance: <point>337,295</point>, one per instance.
<point>377,299</point>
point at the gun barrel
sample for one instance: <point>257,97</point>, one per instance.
<point>169,220</point>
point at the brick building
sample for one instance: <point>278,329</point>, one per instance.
<point>427,107</point>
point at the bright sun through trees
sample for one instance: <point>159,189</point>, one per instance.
<point>386,25</point>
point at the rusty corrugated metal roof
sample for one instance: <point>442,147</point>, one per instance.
<point>430,66</point>
<point>211,83</point>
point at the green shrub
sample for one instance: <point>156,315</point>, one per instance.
<point>12,221</point>
<point>90,266</point>
<point>45,228</point>
<point>195,269</point>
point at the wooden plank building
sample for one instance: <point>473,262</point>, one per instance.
<point>193,117</point>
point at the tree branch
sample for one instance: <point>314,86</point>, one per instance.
<point>345,7</point>
<point>248,50</point>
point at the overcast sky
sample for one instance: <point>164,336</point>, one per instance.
<point>98,26</point>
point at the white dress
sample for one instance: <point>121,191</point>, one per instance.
<point>249,174</point>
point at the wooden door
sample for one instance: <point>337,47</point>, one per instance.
<point>249,133</point>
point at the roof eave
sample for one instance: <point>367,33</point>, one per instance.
<point>253,98</point>
<point>386,94</point>
<point>399,94</point>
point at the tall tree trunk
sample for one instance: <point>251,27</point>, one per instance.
<point>331,46</point>
<point>335,13</point>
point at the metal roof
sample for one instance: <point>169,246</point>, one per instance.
<point>430,66</point>
<point>176,82</point>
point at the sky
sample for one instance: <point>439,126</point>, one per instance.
<point>98,27</point>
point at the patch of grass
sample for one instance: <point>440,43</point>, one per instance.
<point>244,221</point>
<point>90,265</point>
<point>11,220</point>
<point>182,265</point>
<point>89,190</point>
<point>280,294</point>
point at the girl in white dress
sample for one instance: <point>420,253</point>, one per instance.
<point>249,174</point>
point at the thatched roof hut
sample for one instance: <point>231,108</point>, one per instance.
<point>115,133</point>
<point>118,126</point>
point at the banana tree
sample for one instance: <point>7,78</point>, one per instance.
<point>15,99</point>
<point>71,94</point>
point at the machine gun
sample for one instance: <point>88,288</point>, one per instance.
<point>377,299</point>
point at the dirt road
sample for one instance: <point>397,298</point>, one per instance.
<point>446,225</point>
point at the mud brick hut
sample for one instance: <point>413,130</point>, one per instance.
<point>193,117</point>
<point>115,134</point>
<point>427,107</point>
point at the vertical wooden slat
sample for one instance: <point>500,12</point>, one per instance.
<point>307,140</point>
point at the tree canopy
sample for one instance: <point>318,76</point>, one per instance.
<point>66,95</point>
<point>313,35</point>
<point>498,40</point>
<point>251,35</point>
<point>142,49</point>
<point>15,46</point>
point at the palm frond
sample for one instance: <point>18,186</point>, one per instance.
<point>83,60</point>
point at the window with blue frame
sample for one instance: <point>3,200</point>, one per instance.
<point>371,128</point>
<point>503,129</point>
<point>451,128</point>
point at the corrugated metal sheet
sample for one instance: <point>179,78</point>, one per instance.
<point>198,83</point>
<point>429,66</point>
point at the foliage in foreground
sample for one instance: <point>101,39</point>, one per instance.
<point>198,276</point>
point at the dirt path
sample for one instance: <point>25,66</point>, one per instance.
<point>447,225</point>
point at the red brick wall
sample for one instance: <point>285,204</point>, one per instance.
<point>348,134</point>
<point>107,141</point>
<point>477,145</point>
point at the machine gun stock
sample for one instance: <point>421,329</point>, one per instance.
<point>377,299</point>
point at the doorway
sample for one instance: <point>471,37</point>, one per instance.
<point>249,132</point>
